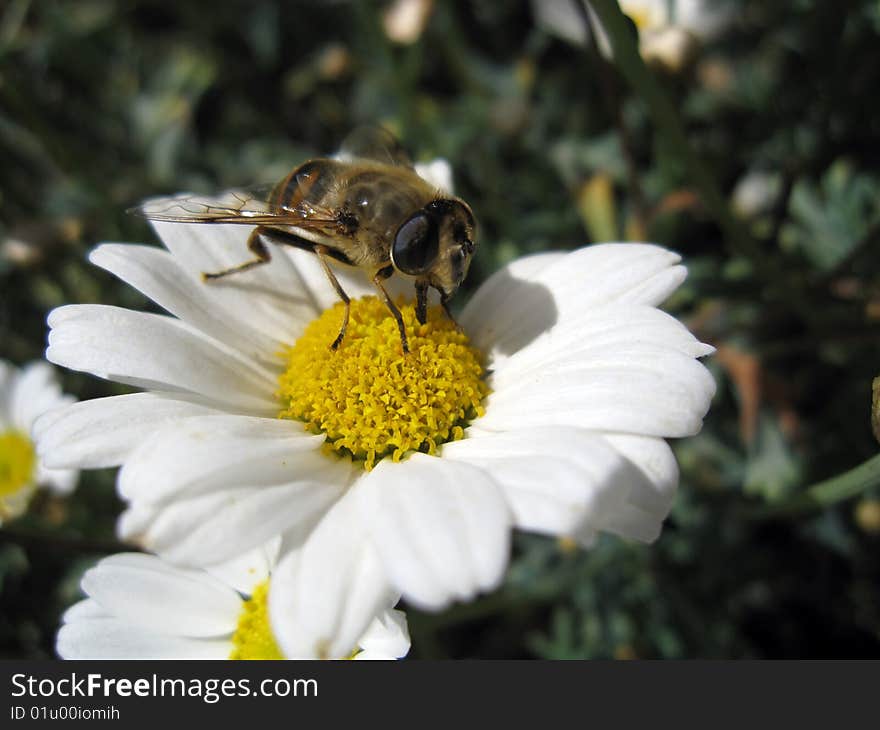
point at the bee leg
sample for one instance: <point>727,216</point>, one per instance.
<point>377,280</point>
<point>422,301</point>
<point>321,252</point>
<point>444,302</point>
<point>256,246</point>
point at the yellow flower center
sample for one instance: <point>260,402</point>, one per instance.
<point>17,462</point>
<point>253,637</point>
<point>371,400</point>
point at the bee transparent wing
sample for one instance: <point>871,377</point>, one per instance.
<point>249,207</point>
<point>374,143</point>
<point>244,207</point>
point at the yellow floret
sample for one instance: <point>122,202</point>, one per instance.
<point>253,638</point>
<point>371,400</point>
<point>17,462</point>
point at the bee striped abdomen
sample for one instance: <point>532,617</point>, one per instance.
<point>310,182</point>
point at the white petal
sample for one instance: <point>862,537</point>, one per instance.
<point>640,389</point>
<point>35,390</point>
<point>323,597</point>
<point>571,482</point>
<point>386,638</point>
<point>633,523</point>
<point>203,453</point>
<point>441,527</point>
<point>272,292</point>
<point>489,304</point>
<point>597,330</point>
<point>111,638</point>
<point>553,478</point>
<point>625,273</point>
<point>542,297</point>
<point>284,294</point>
<point>248,570</point>
<point>654,458</point>
<point>103,432</point>
<point>135,520</point>
<point>156,273</point>
<point>221,525</point>
<point>156,352</point>
<point>7,374</point>
<point>150,594</point>
<point>60,481</point>
<point>86,608</point>
<point>656,289</point>
<point>310,277</point>
<point>438,172</point>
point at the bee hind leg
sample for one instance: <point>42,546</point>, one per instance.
<point>255,246</point>
<point>377,281</point>
<point>321,252</point>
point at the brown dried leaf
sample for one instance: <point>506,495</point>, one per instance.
<point>745,372</point>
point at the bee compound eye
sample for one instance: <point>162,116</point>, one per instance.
<point>416,245</point>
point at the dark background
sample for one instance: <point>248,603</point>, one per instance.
<point>105,103</point>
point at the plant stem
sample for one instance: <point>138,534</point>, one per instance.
<point>629,61</point>
<point>613,100</point>
<point>824,494</point>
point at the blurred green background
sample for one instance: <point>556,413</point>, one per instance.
<point>104,103</point>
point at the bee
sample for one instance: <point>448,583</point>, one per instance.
<point>366,208</point>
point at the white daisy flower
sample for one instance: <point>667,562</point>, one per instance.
<point>667,29</point>
<point>140,607</point>
<point>24,395</point>
<point>394,473</point>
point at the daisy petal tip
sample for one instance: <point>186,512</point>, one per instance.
<point>61,314</point>
<point>296,635</point>
<point>107,255</point>
<point>62,481</point>
<point>99,253</point>
<point>66,645</point>
<point>641,248</point>
<point>126,529</point>
<point>52,353</point>
<point>673,258</point>
<point>680,270</point>
<point>386,638</point>
<point>646,531</point>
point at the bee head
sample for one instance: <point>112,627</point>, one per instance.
<point>436,243</point>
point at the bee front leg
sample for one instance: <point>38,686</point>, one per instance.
<point>377,281</point>
<point>321,252</point>
<point>256,246</point>
<point>421,301</point>
<point>444,302</point>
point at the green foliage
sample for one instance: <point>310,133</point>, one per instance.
<point>772,469</point>
<point>828,222</point>
<point>105,103</point>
